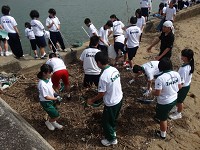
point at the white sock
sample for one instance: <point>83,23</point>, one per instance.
<point>163,134</point>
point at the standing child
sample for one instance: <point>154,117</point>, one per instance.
<point>140,21</point>
<point>110,90</point>
<point>131,41</point>
<point>185,71</point>
<point>166,87</point>
<point>38,30</point>
<point>91,70</point>
<point>10,25</point>
<point>92,29</point>
<point>47,99</point>
<point>31,36</point>
<point>103,37</point>
<point>53,24</point>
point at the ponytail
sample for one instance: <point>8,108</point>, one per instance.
<point>192,65</point>
<point>190,56</point>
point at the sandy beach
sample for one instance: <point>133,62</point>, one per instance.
<point>184,133</point>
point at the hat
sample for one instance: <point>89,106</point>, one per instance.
<point>169,24</point>
<point>137,68</point>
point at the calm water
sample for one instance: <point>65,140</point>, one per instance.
<point>72,14</point>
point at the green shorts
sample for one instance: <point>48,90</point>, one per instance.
<point>182,93</point>
<point>50,108</point>
<point>162,111</point>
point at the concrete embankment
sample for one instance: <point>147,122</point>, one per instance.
<point>15,132</point>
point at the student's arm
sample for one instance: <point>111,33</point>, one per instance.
<point>163,53</point>
<point>149,83</point>
<point>153,44</point>
<point>50,98</point>
<point>99,96</point>
<point>49,25</point>
<point>106,44</point>
<point>16,29</point>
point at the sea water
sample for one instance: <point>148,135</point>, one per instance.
<point>71,14</point>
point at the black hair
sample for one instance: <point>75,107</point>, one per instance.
<point>94,40</point>
<point>137,68</point>
<point>51,55</point>
<point>34,14</point>
<point>109,23</point>
<point>87,21</point>
<point>101,57</point>
<point>133,20</point>
<point>190,56</point>
<point>5,9</point>
<point>44,69</point>
<point>113,16</point>
<point>161,6</point>
<point>139,12</point>
<point>27,25</point>
<point>52,11</point>
<point>165,64</point>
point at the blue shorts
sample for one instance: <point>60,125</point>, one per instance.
<point>132,52</point>
<point>40,40</point>
<point>33,44</point>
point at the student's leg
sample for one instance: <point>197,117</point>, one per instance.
<point>60,40</point>
<point>110,115</point>
<point>5,45</point>
<point>53,40</point>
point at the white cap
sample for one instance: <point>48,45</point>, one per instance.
<point>169,24</point>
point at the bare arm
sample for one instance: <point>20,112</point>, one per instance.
<point>156,92</point>
<point>50,98</point>
<point>163,53</point>
<point>99,96</point>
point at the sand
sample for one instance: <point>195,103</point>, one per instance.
<point>184,133</point>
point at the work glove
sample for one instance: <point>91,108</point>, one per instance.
<point>59,99</point>
<point>147,93</point>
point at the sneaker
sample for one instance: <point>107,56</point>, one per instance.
<point>158,133</point>
<point>57,125</point>
<point>129,69</point>
<point>105,142</point>
<point>49,125</point>
<point>175,116</point>
<point>174,109</point>
<point>1,53</point>
<point>36,56</point>
<point>5,53</point>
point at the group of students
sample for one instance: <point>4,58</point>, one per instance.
<point>35,32</point>
<point>171,87</point>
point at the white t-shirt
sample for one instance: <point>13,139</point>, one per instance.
<point>29,33</point>
<point>38,27</point>
<point>92,29</point>
<point>54,27</point>
<point>168,84</point>
<point>145,3</point>
<point>56,63</point>
<point>109,82</point>
<point>141,22</point>
<point>45,89</point>
<point>8,23</point>
<point>120,39</point>
<point>89,64</point>
<point>104,35</point>
<point>186,77</point>
<point>117,28</point>
<point>170,12</point>
<point>151,69</point>
<point>132,35</point>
